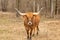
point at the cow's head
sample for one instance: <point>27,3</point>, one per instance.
<point>29,16</point>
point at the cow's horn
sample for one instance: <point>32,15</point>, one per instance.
<point>38,11</point>
<point>19,12</point>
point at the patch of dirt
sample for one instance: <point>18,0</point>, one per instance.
<point>13,29</point>
<point>16,31</point>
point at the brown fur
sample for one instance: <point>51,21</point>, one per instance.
<point>35,21</point>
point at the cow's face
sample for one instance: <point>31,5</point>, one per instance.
<point>29,18</point>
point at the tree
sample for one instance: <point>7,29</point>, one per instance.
<point>4,4</point>
<point>56,8</point>
<point>34,6</point>
<point>52,9</point>
<point>17,3</point>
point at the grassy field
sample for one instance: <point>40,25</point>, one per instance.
<point>12,28</point>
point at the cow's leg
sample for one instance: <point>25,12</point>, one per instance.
<point>30,35</point>
<point>37,30</point>
<point>27,34</point>
<point>33,33</point>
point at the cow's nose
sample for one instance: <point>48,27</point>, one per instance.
<point>29,23</point>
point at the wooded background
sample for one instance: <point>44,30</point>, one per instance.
<point>51,7</point>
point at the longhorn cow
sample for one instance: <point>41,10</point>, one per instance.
<point>31,21</point>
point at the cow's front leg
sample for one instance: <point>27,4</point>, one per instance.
<point>27,34</point>
<point>30,38</point>
<point>33,33</point>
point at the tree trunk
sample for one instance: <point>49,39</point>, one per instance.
<point>4,5</point>
<point>17,3</point>
<point>52,9</point>
<point>34,6</point>
<point>56,8</point>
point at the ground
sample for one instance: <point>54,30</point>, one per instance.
<point>12,28</point>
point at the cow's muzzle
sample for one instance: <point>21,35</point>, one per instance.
<point>29,23</point>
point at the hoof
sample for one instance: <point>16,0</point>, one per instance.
<point>33,35</point>
<point>37,33</point>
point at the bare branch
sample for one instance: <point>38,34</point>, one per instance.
<point>37,7</point>
<point>34,6</point>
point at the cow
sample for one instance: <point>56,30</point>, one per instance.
<point>31,21</point>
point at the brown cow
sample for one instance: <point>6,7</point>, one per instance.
<point>31,21</point>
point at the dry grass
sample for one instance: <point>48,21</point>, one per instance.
<point>12,28</point>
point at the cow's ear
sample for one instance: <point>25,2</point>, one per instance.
<point>23,15</point>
